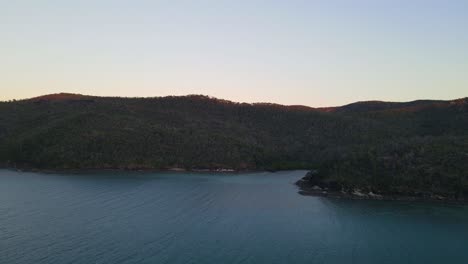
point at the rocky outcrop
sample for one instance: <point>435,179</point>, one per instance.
<point>315,184</point>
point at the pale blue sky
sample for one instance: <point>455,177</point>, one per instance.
<point>316,53</point>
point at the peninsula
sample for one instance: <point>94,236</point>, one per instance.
<point>418,147</point>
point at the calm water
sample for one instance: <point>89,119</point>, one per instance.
<point>208,218</point>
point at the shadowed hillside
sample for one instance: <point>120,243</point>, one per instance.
<point>385,146</point>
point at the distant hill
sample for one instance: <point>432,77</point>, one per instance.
<point>59,97</point>
<point>374,106</point>
<point>387,146</point>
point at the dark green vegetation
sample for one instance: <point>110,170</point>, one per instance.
<point>414,147</point>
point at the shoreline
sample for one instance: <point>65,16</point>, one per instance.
<point>348,196</point>
<point>91,170</point>
<point>308,189</point>
<point>303,184</point>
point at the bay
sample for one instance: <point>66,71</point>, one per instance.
<point>163,217</point>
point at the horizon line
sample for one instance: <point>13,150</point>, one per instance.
<point>221,99</point>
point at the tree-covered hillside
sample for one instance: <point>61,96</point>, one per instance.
<point>421,144</point>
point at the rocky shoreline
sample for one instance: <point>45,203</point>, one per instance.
<point>312,185</point>
<point>129,169</point>
<point>309,185</point>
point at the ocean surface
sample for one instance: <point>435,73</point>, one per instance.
<point>129,217</point>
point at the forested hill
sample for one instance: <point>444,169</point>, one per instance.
<point>369,143</point>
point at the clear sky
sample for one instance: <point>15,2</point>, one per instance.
<point>317,53</point>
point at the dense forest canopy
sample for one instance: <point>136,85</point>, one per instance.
<point>387,146</point>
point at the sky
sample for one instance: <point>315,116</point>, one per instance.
<point>316,53</point>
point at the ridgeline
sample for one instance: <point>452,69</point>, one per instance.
<point>415,147</point>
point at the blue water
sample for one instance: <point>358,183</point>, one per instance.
<point>213,218</point>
